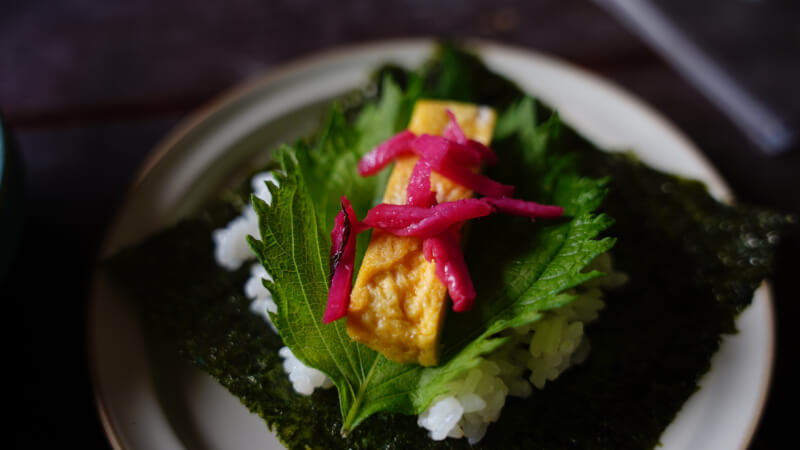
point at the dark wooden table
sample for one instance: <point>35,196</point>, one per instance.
<point>89,87</point>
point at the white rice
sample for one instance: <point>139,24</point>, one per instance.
<point>542,350</point>
<point>261,299</point>
<point>231,249</point>
<point>304,379</point>
<point>473,401</point>
<point>533,355</point>
<point>230,244</point>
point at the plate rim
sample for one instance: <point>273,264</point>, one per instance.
<point>228,97</point>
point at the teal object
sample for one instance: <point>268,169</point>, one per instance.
<point>11,215</point>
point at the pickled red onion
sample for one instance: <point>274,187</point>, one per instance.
<point>475,181</point>
<point>441,151</point>
<point>453,130</point>
<point>386,152</point>
<point>406,220</point>
<point>343,253</point>
<point>418,191</point>
<point>525,208</point>
<point>451,269</point>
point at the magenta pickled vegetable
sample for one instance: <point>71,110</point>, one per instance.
<point>440,151</point>
<point>453,131</point>
<point>418,192</point>
<point>405,220</point>
<point>383,154</point>
<point>394,216</point>
<point>525,208</point>
<point>475,181</point>
<point>487,155</point>
<point>451,269</point>
<point>342,260</point>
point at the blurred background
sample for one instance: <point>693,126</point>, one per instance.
<point>89,87</point>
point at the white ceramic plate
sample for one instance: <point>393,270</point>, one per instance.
<point>147,400</point>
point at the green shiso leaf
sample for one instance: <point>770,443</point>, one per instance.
<point>531,264</point>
